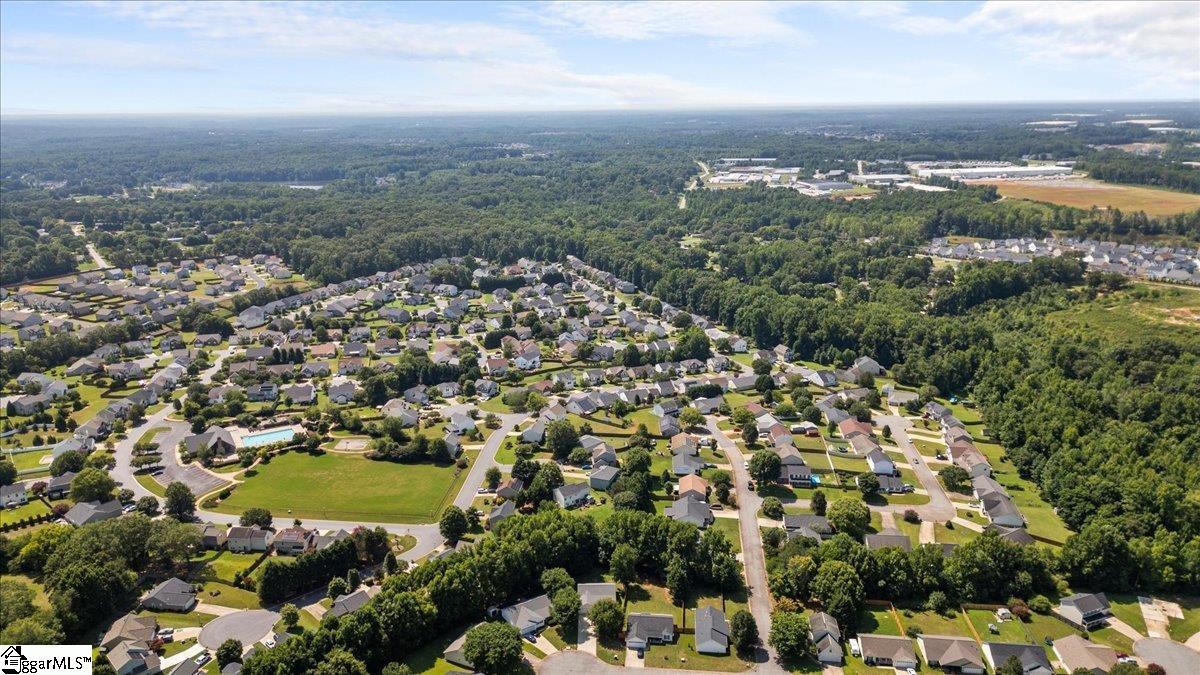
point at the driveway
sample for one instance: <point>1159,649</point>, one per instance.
<point>573,662</point>
<point>486,459</point>
<point>249,626</point>
<point>753,558</point>
<point>940,508</point>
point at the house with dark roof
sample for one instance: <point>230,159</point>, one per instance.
<point>1085,610</point>
<point>889,538</point>
<point>355,600</point>
<point>172,595</point>
<point>603,477</point>
<point>92,512</point>
<point>497,515</point>
<point>814,527</point>
<point>571,495</point>
<point>1032,658</point>
<point>645,629</point>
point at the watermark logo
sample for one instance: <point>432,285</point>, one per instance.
<point>45,659</point>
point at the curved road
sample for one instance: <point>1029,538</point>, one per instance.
<point>427,535</point>
<point>97,259</point>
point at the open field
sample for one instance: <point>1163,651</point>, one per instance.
<point>338,486</point>
<point>1085,193</point>
<point>1142,312</point>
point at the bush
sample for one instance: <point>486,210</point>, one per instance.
<point>911,516</point>
<point>912,631</point>
<point>1040,604</point>
<point>772,508</point>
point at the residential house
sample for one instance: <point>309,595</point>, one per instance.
<point>1077,653</point>
<point>1032,658</point>
<point>353,601</point>
<point>603,477</point>
<point>814,527</point>
<point>59,487</point>
<point>880,463</point>
<point>1085,610</point>
<point>690,510</point>
<point>171,595</point>
<point>293,541</point>
<point>528,617</point>
<point>212,536</point>
<point>248,539</point>
<point>510,488</point>
<point>590,594</point>
<point>645,629</point>
<point>12,496</point>
<point>712,631</point>
<point>826,637</point>
<point>888,651</point>
<point>952,653</point>
<point>84,513</point>
<point>888,538</point>
<point>693,486</point>
<point>571,495</point>
<point>497,515</point>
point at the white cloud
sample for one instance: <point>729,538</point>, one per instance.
<point>1159,40</point>
<point>740,22</point>
<point>328,29</point>
<point>63,50</point>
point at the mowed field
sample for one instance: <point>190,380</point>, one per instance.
<point>1085,193</point>
<point>337,486</point>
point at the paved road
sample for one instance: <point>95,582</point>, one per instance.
<point>91,249</point>
<point>485,460</point>
<point>939,508</point>
<point>575,662</point>
<point>752,549</point>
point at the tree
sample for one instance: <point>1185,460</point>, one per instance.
<point>256,515</point>
<point>690,417</point>
<point>607,618</point>
<point>556,579</point>
<point>148,505</point>
<point>229,652</point>
<point>492,477</point>
<point>772,508</point>
<point>180,502</point>
<point>678,580</point>
<point>68,461</point>
<point>764,467</point>
<point>493,648</point>
<point>840,591</point>
<point>561,437</point>
<point>749,435</point>
<point>868,483</point>
<point>789,635</point>
<point>340,662</point>
<point>1100,557</point>
<point>32,630</point>
<point>636,461</point>
<point>850,516</point>
<point>818,502</point>
<point>337,588</point>
<point>955,478</point>
<point>8,472</point>
<point>565,608</point>
<point>453,524</point>
<point>743,632</point>
<point>794,578</point>
<point>92,484</point>
<point>622,564</point>
<point>290,615</point>
<point>1010,666</point>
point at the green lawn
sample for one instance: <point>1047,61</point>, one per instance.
<point>1183,629</point>
<point>228,596</point>
<point>28,461</point>
<point>932,623</point>
<point>147,481</point>
<point>928,448</point>
<point>683,654</point>
<point>224,565</point>
<point>1007,631</point>
<point>611,652</point>
<point>34,508</point>
<point>943,534</point>
<point>337,486</point>
<point>730,527</point>
<point>1126,608</point>
<point>1039,515</point>
<point>177,620</point>
<point>878,620</point>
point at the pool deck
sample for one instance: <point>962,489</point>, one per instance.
<point>240,435</point>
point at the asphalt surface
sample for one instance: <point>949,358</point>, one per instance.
<point>753,558</point>
<point>1175,658</point>
<point>249,626</point>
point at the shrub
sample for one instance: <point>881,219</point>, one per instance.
<point>911,516</point>
<point>912,631</point>
<point>1040,604</point>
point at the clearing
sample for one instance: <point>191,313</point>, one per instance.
<point>337,486</point>
<point>1084,193</point>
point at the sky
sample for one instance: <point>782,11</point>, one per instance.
<point>375,57</point>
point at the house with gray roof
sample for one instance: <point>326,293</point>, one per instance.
<point>690,510</point>
<point>528,617</point>
<point>952,653</point>
<point>712,631</point>
<point>172,595</point>
<point>92,512</point>
<point>645,629</point>
<point>1032,658</point>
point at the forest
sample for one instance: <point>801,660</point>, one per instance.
<point>1108,429</point>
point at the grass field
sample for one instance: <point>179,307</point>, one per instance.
<point>1140,313</point>
<point>1085,193</point>
<point>729,526</point>
<point>34,508</point>
<point>347,487</point>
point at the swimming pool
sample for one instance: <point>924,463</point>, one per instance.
<point>268,437</point>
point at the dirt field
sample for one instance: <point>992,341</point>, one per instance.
<point>1085,193</point>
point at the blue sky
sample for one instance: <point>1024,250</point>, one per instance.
<point>214,57</point>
